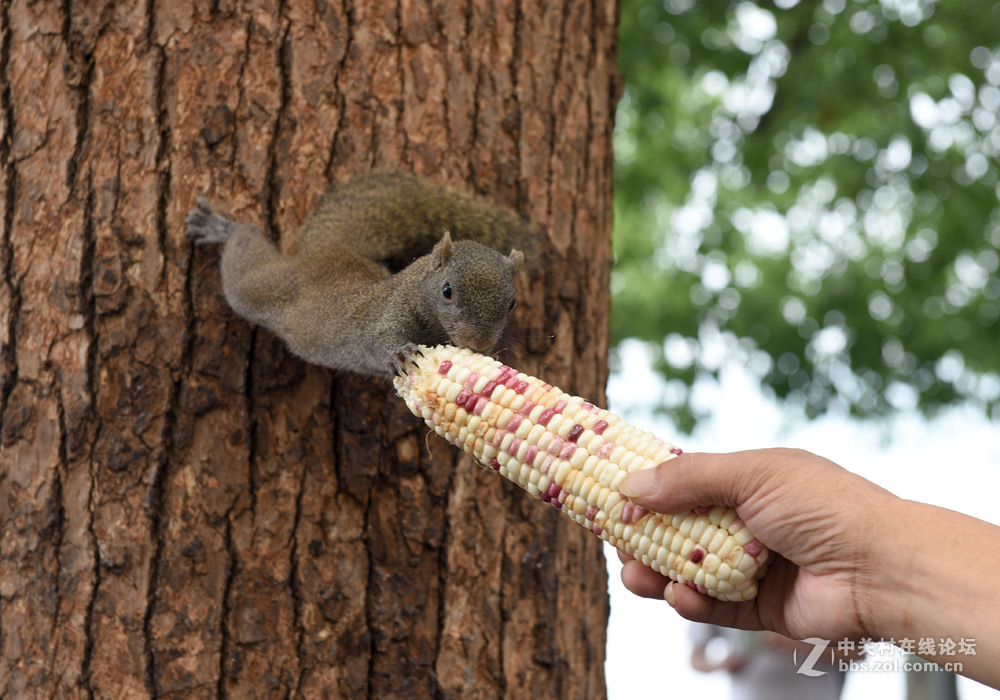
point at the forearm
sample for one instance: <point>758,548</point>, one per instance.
<point>935,577</point>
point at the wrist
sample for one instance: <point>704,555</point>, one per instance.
<point>932,578</point>
<point>890,582</point>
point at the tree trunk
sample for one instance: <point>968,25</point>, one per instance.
<point>188,510</point>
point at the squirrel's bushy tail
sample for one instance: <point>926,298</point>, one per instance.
<point>410,215</point>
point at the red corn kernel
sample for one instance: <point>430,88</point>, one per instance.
<point>627,512</point>
<point>567,451</point>
<point>495,464</point>
<point>697,554</point>
<point>591,513</point>
<point>445,366</point>
<point>555,490</point>
<point>753,548</point>
<point>605,450</point>
<point>490,386</point>
<point>526,408</point>
<point>471,380</point>
<point>514,422</point>
<point>676,451</point>
<point>600,426</point>
<point>575,432</point>
<point>515,445</point>
<point>544,496</point>
<point>637,513</point>
<point>596,530</point>
<point>521,386</point>
<point>702,510</point>
<point>530,455</point>
<point>470,403</point>
<point>546,416</point>
<point>480,405</point>
<point>463,397</point>
<point>560,406</point>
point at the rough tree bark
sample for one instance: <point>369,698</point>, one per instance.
<point>187,510</point>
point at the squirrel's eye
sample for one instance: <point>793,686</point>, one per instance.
<point>513,303</point>
<point>446,290</point>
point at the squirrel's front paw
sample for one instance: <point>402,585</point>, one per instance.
<point>204,226</point>
<point>403,357</point>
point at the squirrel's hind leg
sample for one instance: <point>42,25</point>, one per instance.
<point>205,227</point>
<point>260,283</point>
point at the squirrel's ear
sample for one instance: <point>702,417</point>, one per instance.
<point>442,251</point>
<point>516,258</point>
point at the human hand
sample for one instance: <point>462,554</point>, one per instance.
<point>817,517</point>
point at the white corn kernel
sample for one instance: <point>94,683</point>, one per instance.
<point>562,472</point>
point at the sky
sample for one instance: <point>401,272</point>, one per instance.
<point>648,649</point>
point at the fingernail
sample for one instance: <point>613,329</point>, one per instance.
<point>668,594</point>
<point>639,484</point>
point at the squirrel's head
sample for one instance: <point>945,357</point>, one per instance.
<point>471,291</point>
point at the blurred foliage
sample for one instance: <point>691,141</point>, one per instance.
<point>812,189</point>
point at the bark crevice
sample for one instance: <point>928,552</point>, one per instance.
<point>241,95</point>
<point>89,296</point>
<point>156,496</point>
<point>342,121</point>
<point>231,571</point>
<point>370,617</point>
<point>272,179</point>
<point>555,112</point>
<point>59,526</point>
<point>155,510</point>
<point>250,387</point>
<point>517,126</point>
<point>442,592</point>
<point>8,354</point>
<point>295,584</point>
<point>401,105</point>
<point>163,185</point>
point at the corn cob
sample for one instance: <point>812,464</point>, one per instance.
<point>573,455</point>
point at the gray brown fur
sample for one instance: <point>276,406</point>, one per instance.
<point>335,305</point>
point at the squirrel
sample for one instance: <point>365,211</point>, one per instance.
<point>336,304</point>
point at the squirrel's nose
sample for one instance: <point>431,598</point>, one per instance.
<point>482,345</point>
<point>477,340</point>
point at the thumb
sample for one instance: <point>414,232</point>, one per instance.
<point>692,479</point>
